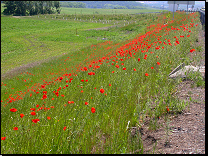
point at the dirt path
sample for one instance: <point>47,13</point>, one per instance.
<point>186,131</point>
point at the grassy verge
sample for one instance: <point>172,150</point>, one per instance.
<point>86,101</point>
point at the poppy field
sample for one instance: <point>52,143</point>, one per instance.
<point>87,100</point>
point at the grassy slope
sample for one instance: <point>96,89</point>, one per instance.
<point>131,97</point>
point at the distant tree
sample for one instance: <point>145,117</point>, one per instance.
<point>9,7</point>
<point>20,8</point>
<point>57,6</point>
<point>30,7</point>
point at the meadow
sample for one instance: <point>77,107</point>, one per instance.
<point>87,97</point>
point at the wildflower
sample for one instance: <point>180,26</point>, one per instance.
<point>52,106</point>
<point>82,80</point>
<point>44,96</point>
<point>152,67</point>
<point>109,84</point>
<point>61,78</point>
<point>85,68</point>
<point>86,80</point>
<point>93,110</point>
<point>3,138</point>
<point>158,63</point>
<point>86,103</point>
<point>48,117</point>
<point>35,120</point>
<point>13,110</point>
<point>117,66</point>
<point>112,71</point>
<point>124,68</point>
<point>134,69</point>
<point>167,108</point>
<point>146,74</point>
<point>192,50</point>
<point>102,90</point>
<point>37,105</point>
<point>64,128</point>
<point>15,128</point>
<point>33,113</point>
<point>138,59</point>
<point>21,115</point>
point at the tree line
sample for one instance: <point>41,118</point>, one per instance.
<point>103,4</point>
<point>25,8</point>
<point>73,4</point>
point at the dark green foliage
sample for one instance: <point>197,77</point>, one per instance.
<point>73,4</point>
<point>24,8</point>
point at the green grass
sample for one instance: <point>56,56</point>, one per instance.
<point>127,101</point>
<point>34,39</point>
<point>86,11</point>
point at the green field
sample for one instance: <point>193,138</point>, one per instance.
<point>92,86</point>
<point>30,39</point>
<point>85,11</point>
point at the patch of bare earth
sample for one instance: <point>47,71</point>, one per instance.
<point>185,132</point>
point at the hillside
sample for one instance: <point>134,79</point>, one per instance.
<point>108,4</point>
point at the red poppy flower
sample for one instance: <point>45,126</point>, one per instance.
<point>48,117</point>
<point>102,90</point>
<point>152,67</point>
<point>85,68</point>
<point>15,128</point>
<point>3,138</point>
<point>117,66</point>
<point>86,80</point>
<point>44,92</point>
<point>112,71</point>
<point>82,80</point>
<point>109,84</point>
<point>21,115</point>
<point>93,110</point>
<point>86,103</point>
<point>61,78</point>
<point>167,108</point>
<point>158,63</point>
<point>35,120</point>
<point>33,113</point>
<point>124,68</point>
<point>146,74</point>
<point>134,69</point>
<point>138,59</point>
<point>13,110</point>
<point>192,50</point>
<point>52,106</point>
<point>37,105</point>
<point>44,96</point>
<point>64,128</point>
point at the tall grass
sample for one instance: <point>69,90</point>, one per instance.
<point>133,75</point>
